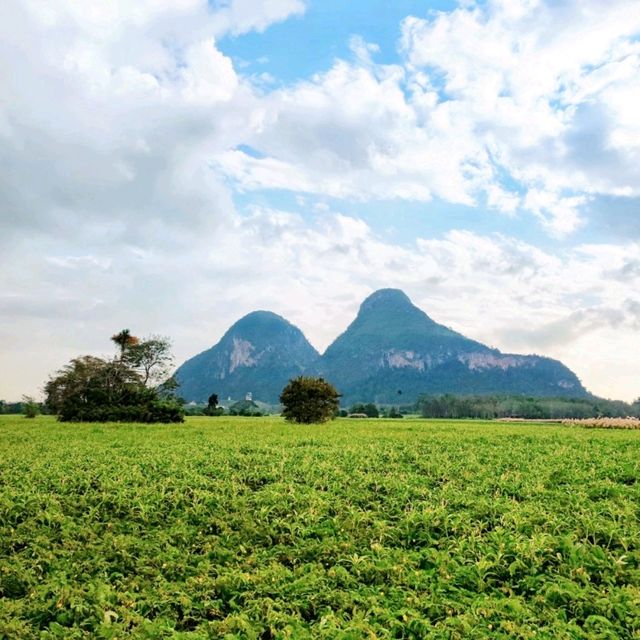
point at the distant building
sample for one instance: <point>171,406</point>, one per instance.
<point>249,396</point>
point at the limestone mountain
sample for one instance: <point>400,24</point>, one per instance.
<point>257,355</point>
<point>392,352</point>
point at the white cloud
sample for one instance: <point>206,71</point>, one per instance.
<point>120,123</point>
<point>549,87</point>
<point>580,307</point>
<point>110,20</point>
<point>109,114</point>
<point>91,134</point>
<point>527,106</point>
<point>241,16</point>
<point>352,133</point>
<point>559,214</point>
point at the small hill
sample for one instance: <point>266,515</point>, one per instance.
<point>257,355</point>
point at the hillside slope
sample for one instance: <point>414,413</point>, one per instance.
<point>257,355</point>
<point>393,351</point>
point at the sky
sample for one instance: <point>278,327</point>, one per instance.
<point>171,165</point>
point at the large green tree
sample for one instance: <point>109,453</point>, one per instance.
<point>87,383</point>
<point>308,400</point>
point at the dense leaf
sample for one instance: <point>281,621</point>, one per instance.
<point>247,528</point>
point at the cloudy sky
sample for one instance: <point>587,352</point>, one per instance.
<point>170,165</point>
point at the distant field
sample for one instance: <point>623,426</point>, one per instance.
<point>252,528</point>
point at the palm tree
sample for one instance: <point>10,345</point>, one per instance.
<point>124,339</point>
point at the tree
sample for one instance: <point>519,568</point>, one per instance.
<point>167,390</point>
<point>150,357</point>
<point>212,408</point>
<point>370,410</point>
<point>93,389</point>
<point>394,413</point>
<point>124,340</point>
<point>90,388</point>
<point>307,400</point>
<point>245,408</point>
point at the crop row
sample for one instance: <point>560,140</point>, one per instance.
<point>251,528</point>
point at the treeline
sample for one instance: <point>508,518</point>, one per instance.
<point>488,407</point>
<point>246,408</point>
<point>25,406</point>
<point>370,410</point>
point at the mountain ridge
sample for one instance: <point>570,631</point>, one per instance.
<point>390,353</point>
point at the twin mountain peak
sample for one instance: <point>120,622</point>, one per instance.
<point>390,354</point>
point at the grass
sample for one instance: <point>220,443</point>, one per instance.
<point>252,528</point>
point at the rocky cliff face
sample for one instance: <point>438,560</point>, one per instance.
<point>257,355</point>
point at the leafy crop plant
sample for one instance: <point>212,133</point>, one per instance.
<point>255,528</point>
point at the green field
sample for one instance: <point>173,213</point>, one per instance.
<point>253,528</point>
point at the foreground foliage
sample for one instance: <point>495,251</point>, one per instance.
<point>242,528</point>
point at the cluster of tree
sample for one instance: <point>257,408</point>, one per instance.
<point>372,411</point>
<point>393,412</point>
<point>27,406</point>
<point>488,407</point>
<point>245,408</point>
<point>212,408</point>
<point>133,386</point>
<point>305,400</point>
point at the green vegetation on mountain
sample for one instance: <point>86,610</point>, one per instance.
<point>393,352</point>
<point>259,354</point>
<point>390,354</point>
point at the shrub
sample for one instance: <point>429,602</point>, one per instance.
<point>369,410</point>
<point>245,408</point>
<point>30,408</point>
<point>307,400</point>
